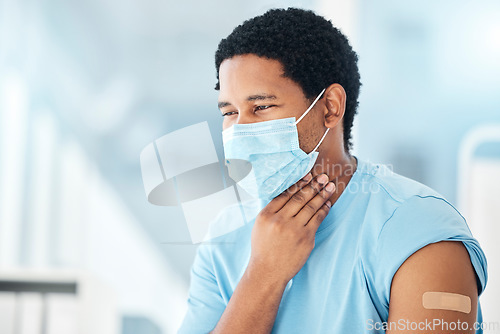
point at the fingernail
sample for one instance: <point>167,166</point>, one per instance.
<point>322,179</point>
<point>330,186</point>
<point>329,204</point>
<point>308,177</point>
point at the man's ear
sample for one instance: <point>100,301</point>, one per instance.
<point>335,98</point>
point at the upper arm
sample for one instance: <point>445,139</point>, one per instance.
<point>438,267</point>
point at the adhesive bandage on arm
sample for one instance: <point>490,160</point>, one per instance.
<point>446,301</point>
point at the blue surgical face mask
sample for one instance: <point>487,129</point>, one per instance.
<point>264,158</point>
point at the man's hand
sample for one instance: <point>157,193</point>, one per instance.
<point>282,240</point>
<point>284,231</point>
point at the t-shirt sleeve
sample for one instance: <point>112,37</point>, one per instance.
<point>205,303</point>
<point>417,222</point>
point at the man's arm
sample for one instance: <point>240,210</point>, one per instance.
<point>253,305</point>
<point>282,240</point>
<point>440,267</point>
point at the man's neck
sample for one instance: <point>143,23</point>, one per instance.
<point>339,170</point>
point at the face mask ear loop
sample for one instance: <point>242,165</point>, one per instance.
<point>308,109</point>
<point>321,140</point>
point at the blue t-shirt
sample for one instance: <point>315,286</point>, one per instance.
<point>379,220</point>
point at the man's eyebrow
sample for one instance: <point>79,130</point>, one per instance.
<point>223,104</point>
<point>256,97</point>
<point>259,97</point>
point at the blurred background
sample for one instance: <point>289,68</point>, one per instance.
<point>86,85</point>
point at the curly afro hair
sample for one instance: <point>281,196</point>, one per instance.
<point>312,51</point>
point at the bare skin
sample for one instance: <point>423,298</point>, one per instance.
<point>284,231</point>
<point>441,267</point>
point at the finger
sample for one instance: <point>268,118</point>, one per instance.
<point>298,200</point>
<point>279,201</point>
<point>311,207</point>
<point>320,215</point>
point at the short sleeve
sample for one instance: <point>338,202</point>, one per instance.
<point>205,303</point>
<point>417,222</point>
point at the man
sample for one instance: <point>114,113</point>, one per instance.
<point>349,247</point>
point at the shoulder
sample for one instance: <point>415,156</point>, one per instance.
<point>403,217</point>
<point>396,200</point>
<point>413,214</point>
<point>381,180</point>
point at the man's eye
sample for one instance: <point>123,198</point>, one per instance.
<point>262,107</point>
<point>229,113</point>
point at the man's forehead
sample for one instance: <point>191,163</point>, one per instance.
<point>250,67</point>
<point>252,78</point>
